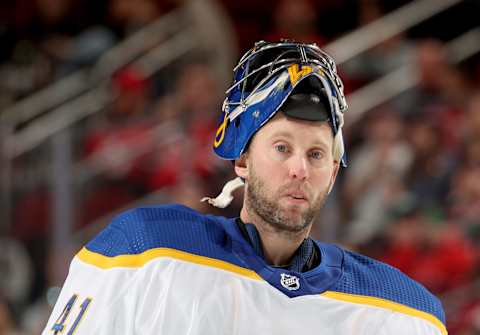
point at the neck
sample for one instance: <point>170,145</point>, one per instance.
<point>278,246</point>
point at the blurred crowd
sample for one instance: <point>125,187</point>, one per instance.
<point>410,195</point>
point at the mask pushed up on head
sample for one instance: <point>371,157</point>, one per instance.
<point>296,76</point>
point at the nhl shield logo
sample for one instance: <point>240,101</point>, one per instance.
<point>290,282</point>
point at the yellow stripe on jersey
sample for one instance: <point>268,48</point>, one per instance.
<point>382,303</point>
<point>138,260</point>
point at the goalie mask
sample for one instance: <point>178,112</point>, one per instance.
<point>299,79</point>
<point>265,78</point>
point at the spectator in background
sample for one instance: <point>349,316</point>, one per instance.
<point>435,113</point>
<point>116,146</point>
<point>441,89</point>
<point>439,80</point>
<point>130,15</point>
<point>383,58</point>
<point>144,148</point>
<point>405,235</point>
<point>52,38</point>
<point>464,201</point>
<point>296,20</point>
<point>197,92</point>
<point>198,95</point>
<point>70,44</point>
<point>182,163</point>
<point>372,191</point>
<point>429,175</point>
<point>471,125</point>
<point>196,100</point>
<point>113,145</point>
<point>464,196</point>
<point>434,253</point>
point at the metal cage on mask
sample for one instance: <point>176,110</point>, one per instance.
<point>264,78</point>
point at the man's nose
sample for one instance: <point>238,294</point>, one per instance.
<point>298,167</point>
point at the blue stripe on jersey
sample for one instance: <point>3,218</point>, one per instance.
<point>169,226</point>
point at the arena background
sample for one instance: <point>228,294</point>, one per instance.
<point>107,105</point>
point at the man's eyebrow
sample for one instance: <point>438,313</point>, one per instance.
<point>288,135</point>
<point>282,133</point>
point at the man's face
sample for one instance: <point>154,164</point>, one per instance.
<point>289,169</point>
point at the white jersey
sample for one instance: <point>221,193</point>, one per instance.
<point>170,270</point>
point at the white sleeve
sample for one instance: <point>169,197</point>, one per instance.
<point>92,301</point>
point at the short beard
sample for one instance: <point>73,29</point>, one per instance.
<point>262,203</point>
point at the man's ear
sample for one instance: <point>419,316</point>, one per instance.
<point>241,166</point>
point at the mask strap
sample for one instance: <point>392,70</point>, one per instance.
<point>225,197</point>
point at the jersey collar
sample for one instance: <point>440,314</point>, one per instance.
<point>305,258</point>
<point>316,280</point>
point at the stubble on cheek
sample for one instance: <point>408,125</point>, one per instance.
<point>266,204</point>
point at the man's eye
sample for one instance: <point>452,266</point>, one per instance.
<point>316,154</point>
<point>281,148</point>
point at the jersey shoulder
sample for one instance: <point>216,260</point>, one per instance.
<point>166,226</point>
<point>365,276</point>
